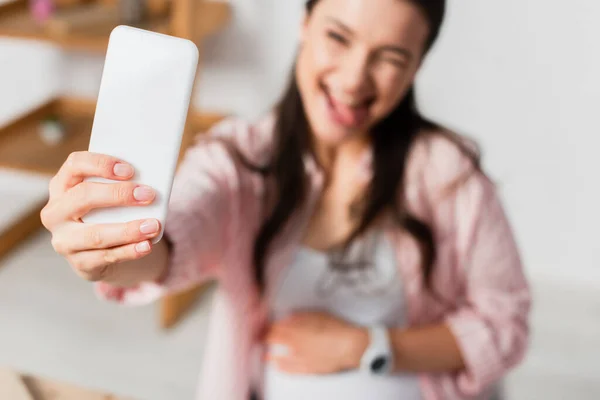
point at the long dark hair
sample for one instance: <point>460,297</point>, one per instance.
<point>391,140</point>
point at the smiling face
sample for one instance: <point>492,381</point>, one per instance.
<point>356,62</point>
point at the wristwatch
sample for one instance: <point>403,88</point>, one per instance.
<point>378,358</point>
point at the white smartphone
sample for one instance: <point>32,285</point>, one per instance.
<point>140,116</point>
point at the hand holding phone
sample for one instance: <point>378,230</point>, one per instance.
<point>140,116</point>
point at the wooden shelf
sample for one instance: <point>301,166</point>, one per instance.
<point>23,196</point>
<point>16,22</point>
<point>24,149</point>
<point>211,17</point>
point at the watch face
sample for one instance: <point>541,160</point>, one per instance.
<point>379,364</point>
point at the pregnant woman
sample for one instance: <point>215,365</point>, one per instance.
<point>361,252</point>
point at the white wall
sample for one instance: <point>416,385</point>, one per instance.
<point>519,75</point>
<point>28,77</point>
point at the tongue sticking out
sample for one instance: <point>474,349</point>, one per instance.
<point>348,116</point>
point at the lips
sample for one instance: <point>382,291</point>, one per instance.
<point>350,116</point>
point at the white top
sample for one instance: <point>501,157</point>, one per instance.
<point>365,296</point>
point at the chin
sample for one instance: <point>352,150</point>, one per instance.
<point>331,134</point>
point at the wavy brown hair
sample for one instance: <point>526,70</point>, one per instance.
<point>392,139</point>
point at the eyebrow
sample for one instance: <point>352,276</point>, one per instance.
<point>402,51</point>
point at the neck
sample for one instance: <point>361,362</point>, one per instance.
<point>335,159</point>
<point>328,155</point>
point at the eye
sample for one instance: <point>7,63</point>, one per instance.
<point>392,59</point>
<point>396,62</point>
<point>337,37</point>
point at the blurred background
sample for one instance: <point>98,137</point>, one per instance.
<point>521,76</point>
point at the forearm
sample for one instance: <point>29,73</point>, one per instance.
<point>430,349</point>
<point>150,268</point>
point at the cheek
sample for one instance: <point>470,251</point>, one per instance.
<point>391,87</point>
<point>315,60</point>
<point>325,55</point>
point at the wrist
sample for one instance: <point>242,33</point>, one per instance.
<point>397,341</point>
<point>152,268</point>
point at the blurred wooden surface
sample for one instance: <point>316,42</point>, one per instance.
<point>173,308</point>
<point>24,149</point>
<point>14,386</point>
<point>36,114</point>
<point>16,22</point>
<point>80,20</point>
<point>87,27</point>
<point>12,236</point>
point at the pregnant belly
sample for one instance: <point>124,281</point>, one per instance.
<point>351,385</point>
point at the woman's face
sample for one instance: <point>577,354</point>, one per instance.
<point>356,62</point>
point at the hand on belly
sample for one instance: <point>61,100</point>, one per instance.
<point>314,343</point>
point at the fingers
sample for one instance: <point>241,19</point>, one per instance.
<point>278,352</point>
<point>96,265</point>
<point>82,164</point>
<point>72,238</point>
<point>287,349</point>
<point>281,342</point>
<point>289,361</point>
<point>87,196</point>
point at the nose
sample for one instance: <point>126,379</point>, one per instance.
<point>354,74</point>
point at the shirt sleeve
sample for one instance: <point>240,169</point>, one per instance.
<point>491,325</point>
<point>198,222</point>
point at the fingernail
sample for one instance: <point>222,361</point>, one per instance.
<point>149,226</point>
<point>123,170</point>
<point>143,247</point>
<point>143,193</point>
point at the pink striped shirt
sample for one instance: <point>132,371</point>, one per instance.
<point>215,213</point>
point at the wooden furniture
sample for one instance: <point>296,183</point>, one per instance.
<point>87,26</point>
<point>14,386</point>
<point>84,25</point>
